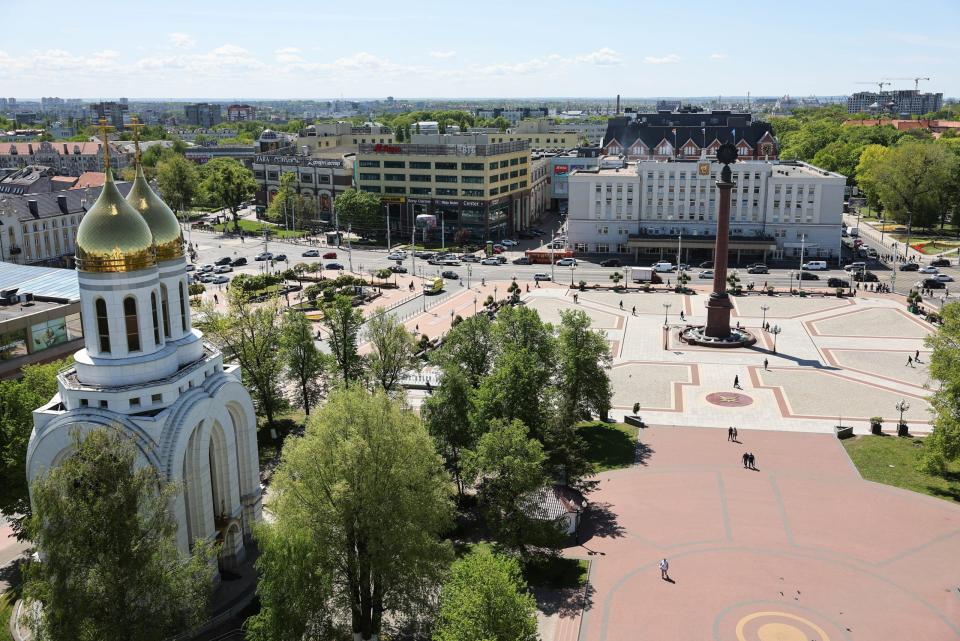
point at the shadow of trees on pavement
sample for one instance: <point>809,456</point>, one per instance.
<point>566,603</point>
<point>599,521</point>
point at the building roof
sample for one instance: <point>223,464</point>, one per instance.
<point>652,128</point>
<point>552,502</point>
<point>27,180</point>
<point>70,201</point>
<point>90,179</point>
<point>62,148</point>
<point>42,282</point>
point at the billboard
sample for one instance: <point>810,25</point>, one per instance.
<point>47,334</point>
<point>561,169</point>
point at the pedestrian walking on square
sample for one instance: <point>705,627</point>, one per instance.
<point>682,317</point>
<point>916,356</point>
<point>621,304</point>
<point>664,570</point>
<point>746,459</point>
<point>634,310</point>
<point>216,301</point>
<point>909,361</point>
<point>765,363</point>
<point>730,433</point>
<point>752,461</point>
<point>736,381</point>
<point>736,436</point>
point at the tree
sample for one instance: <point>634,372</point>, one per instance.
<point>943,444</point>
<point>469,346</point>
<point>343,323</point>
<point>446,413</point>
<point>111,568</point>
<point>521,328</point>
<point>18,399</point>
<point>486,599</point>
<point>228,184</point>
<point>177,178</point>
<point>360,210</point>
<point>519,387</point>
<point>367,487</point>
<point>304,362</point>
<point>284,200</point>
<point>393,350</point>
<point>251,334</point>
<point>868,178</point>
<point>909,179</point>
<point>616,277</point>
<point>583,357</point>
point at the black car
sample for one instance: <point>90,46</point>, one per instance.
<point>222,261</point>
<point>398,269</point>
<point>910,267</point>
<point>837,282</point>
<point>526,235</point>
<point>865,277</point>
<point>450,275</point>
<point>280,257</point>
<point>610,262</point>
<point>237,262</point>
<point>940,262</point>
<point>707,264</point>
<point>808,276</point>
<point>523,260</point>
<point>931,283</point>
<point>336,266</point>
<point>758,269</point>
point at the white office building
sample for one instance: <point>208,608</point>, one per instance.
<point>649,208</point>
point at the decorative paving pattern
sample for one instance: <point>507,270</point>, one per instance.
<point>729,399</point>
<point>786,306</point>
<point>886,364</point>
<point>648,303</point>
<point>656,386</point>
<point>872,322</point>
<point>549,310</point>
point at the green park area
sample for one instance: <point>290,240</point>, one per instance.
<point>609,445</point>
<point>252,227</point>
<point>893,461</point>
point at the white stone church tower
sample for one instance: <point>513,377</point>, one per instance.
<point>146,370</point>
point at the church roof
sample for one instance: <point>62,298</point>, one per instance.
<point>651,129</point>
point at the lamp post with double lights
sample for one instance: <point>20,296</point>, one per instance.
<point>902,406</point>
<point>666,312</point>
<point>764,321</point>
<point>775,330</point>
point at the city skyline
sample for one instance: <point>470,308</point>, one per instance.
<point>504,51</point>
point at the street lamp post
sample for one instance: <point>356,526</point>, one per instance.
<point>775,330</point>
<point>902,406</point>
<point>494,293</point>
<point>764,321</point>
<point>572,267</point>
<point>474,305</point>
<point>666,311</point>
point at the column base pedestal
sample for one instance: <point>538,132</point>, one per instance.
<point>719,307</point>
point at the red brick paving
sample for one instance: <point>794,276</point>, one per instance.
<point>852,559</point>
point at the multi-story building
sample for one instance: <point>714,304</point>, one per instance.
<point>592,130</point>
<point>201,155</point>
<point>539,197</point>
<point>667,135</point>
<point>465,181</point>
<point>898,101</point>
<point>115,113</point>
<point>649,208</point>
<point>330,136</point>
<point>322,178</point>
<point>66,158</point>
<point>203,114</point>
<point>513,114</point>
<point>238,113</point>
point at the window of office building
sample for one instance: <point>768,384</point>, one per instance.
<point>394,164</point>
<point>420,178</point>
<point>373,189</point>
<point>473,192</point>
<point>471,166</point>
<point>421,191</point>
<point>395,177</point>
<point>473,180</point>
<point>364,176</point>
<point>419,164</point>
<point>395,190</point>
<point>446,192</point>
<point>445,165</point>
<point>372,163</point>
<point>445,179</point>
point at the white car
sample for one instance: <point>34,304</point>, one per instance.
<point>206,268</point>
<point>397,256</point>
<point>223,269</point>
<point>566,262</point>
<point>506,242</point>
<point>707,273</point>
<point>944,278</point>
<point>190,267</point>
<point>219,280</point>
<point>490,261</point>
<point>541,276</point>
<point>928,269</point>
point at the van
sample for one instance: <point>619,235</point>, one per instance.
<point>854,267</point>
<point>663,267</point>
<point>854,231</point>
<point>815,265</point>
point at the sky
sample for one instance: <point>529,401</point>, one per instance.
<point>195,49</point>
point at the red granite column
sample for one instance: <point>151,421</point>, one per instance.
<point>719,305</point>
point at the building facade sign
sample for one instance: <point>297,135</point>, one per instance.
<point>300,161</point>
<point>387,149</point>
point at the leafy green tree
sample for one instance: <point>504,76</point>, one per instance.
<point>367,487</point>
<point>393,351</point>
<point>304,362</point>
<point>583,359</point>
<point>343,322</point>
<point>486,599</point>
<point>360,210</point>
<point>867,172</point>
<point>285,198</point>
<point>18,398</point>
<point>909,179</point>
<point>943,444</point>
<point>446,413</point>
<point>178,178</point>
<point>251,334</point>
<point>521,328</point>
<point>111,568</point>
<point>228,184</point>
<point>469,346</point>
<point>616,277</point>
<point>519,387</point>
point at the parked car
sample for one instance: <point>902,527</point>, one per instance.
<point>929,269</point>
<point>940,262</point>
<point>808,276</point>
<point>758,269</point>
<point>225,260</point>
<point>930,283</point>
<point>311,253</point>
<point>397,256</point>
<point>335,266</point>
<point>864,277</point>
<point>398,269</point>
<point>329,255</point>
<point>817,265</point>
<point>205,268</point>
<point>263,256</point>
<point>280,257</point>
<point>223,269</point>
<point>450,275</point>
<point>470,258</point>
<point>219,280</point>
<point>707,264</point>
<point>944,278</point>
<point>490,261</point>
<point>566,262</point>
<point>423,254</point>
<point>523,260</point>
<point>452,261</point>
<point>536,231</point>
<point>706,273</point>
<point>497,249</point>
<point>190,267</point>
<point>610,262</point>
<point>541,276</point>
<point>509,242</point>
<point>239,261</point>
<point>838,282</point>
<point>909,267</point>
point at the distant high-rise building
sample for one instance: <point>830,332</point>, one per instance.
<point>113,112</point>
<point>668,105</point>
<point>899,101</point>
<point>237,113</point>
<point>203,114</point>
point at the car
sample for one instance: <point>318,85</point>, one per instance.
<point>944,278</point>
<point>335,266</point>
<point>909,267</point>
<point>610,262</point>
<point>311,253</point>
<point>864,277</point>
<point>857,242</point>
<point>223,269</point>
<point>422,254</point>
<point>523,260</point>
<point>263,256</point>
<point>940,262</point>
<point>509,242</point>
<point>541,276</point>
<point>537,231</point>
<point>398,269</point>
<point>397,256</point>
<point>706,273</point>
<point>930,283</point>
<point>329,255</point>
<point>807,276</point>
<point>239,261</point>
<point>433,260</point>
<point>817,265</point>
<point>838,282</point>
<point>225,260</point>
<point>758,269</point>
<point>500,246</point>
<point>566,262</point>
<point>929,269</point>
<point>205,268</point>
<point>490,261</point>
<point>707,264</point>
<point>219,280</point>
<point>526,235</point>
<point>190,267</point>
<point>497,249</point>
<point>452,261</point>
<point>470,258</point>
<point>450,275</point>
<point>280,257</point>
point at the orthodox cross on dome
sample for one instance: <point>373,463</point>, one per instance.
<point>104,128</point>
<point>136,126</point>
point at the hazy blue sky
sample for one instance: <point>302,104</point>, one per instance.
<point>371,48</point>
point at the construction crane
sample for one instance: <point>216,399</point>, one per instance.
<point>880,84</point>
<point>916,81</point>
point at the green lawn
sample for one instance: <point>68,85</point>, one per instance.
<point>557,572</point>
<point>892,460</point>
<point>255,227</point>
<point>609,445</point>
<point>6,611</point>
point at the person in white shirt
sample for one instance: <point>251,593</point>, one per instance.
<point>664,567</point>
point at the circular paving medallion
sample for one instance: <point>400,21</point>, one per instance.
<point>778,626</point>
<point>729,399</point>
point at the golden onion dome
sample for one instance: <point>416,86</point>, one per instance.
<point>162,221</point>
<point>113,236</point>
